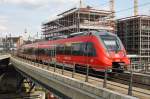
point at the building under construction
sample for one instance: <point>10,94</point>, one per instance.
<point>77,20</point>
<point>135,34</point>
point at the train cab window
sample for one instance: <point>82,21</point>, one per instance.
<point>111,42</point>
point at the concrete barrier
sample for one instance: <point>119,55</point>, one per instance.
<point>70,87</point>
<point>4,57</point>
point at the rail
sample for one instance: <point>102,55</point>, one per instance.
<point>123,84</point>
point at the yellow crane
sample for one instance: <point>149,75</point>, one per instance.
<point>112,7</point>
<point>135,7</point>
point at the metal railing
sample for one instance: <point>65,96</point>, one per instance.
<point>104,79</point>
<point>140,67</point>
<point>2,53</point>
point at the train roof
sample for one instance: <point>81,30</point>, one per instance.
<point>91,33</point>
<point>103,33</point>
<point>74,36</point>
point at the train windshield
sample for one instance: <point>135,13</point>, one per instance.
<point>112,43</point>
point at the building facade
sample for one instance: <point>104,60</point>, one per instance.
<point>1,44</point>
<point>135,35</point>
<point>10,43</point>
<point>77,20</point>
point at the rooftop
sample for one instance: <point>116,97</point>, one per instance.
<point>134,17</point>
<point>87,9</point>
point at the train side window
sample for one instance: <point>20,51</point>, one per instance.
<point>23,51</point>
<point>60,49</point>
<point>49,52</point>
<point>89,49</point>
<point>32,51</point>
<point>29,51</point>
<point>36,51</point>
<point>76,49</point>
<point>67,50</point>
<point>41,51</point>
<point>26,51</point>
<point>46,51</point>
<point>83,49</point>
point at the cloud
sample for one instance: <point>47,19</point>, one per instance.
<point>3,19</point>
<point>2,28</point>
<point>3,22</point>
<point>37,3</point>
<point>21,13</point>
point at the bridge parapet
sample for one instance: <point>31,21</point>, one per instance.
<point>4,56</point>
<point>70,87</point>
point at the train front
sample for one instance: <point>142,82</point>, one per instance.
<point>115,52</point>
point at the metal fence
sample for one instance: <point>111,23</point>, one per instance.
<point>3,53</point>
<point>140,67</point>
<point>124,81</point>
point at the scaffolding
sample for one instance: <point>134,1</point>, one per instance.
<point>77,20</point>
<point>135,34</point>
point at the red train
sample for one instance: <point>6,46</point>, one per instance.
<point>99,50</point>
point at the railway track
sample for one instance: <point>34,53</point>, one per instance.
<point>123,78</point>
<point>137,81</point>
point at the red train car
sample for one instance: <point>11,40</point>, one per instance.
<point>99,50</point>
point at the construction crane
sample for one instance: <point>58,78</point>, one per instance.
<point>112,8</point>
<point>135,7</point>
<point>81,3</point>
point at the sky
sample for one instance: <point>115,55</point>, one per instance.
<point>18,15</point>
